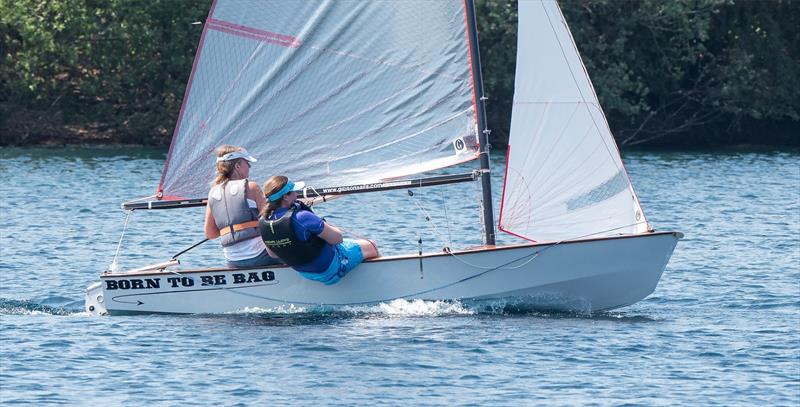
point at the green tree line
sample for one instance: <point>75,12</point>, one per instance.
<point>688,73</point>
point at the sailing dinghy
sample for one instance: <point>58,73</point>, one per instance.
<point>354,97</point>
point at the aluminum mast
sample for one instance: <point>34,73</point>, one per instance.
<point>483,131</point>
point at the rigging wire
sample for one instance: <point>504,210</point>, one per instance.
<point>530,257</point>
<point>479,200</point>
<point>426,215</point>
<point>114,266</point>
<point>446,220</point>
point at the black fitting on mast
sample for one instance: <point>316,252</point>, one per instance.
<point>483,130</point>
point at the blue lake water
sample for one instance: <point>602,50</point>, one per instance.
<point>723,326</point>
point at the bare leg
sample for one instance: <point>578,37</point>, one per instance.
<point>368,248</point>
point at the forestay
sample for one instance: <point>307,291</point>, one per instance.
<point>329,92</point>
<point>564,177</point>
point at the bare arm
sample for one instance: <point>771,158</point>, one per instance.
<point>254,192</point>
<point>331,234</point>
<point>210,225</point>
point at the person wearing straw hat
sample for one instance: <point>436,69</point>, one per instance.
<point>232,211</point>
<point>293,233</point>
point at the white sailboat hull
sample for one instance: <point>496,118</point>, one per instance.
<point>584,276</point>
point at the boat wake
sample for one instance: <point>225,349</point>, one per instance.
<point>438,308</point>
<point>61,306</point>
<point>398,307</point>
<point>47,306</point>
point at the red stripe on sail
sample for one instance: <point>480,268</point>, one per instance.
<point>286,38</point>
<point>519,236</point>
<point>174,198</point>
<point>503,201</point>
<point>253,33</point>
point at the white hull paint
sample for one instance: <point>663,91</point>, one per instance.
<point>586,276</point>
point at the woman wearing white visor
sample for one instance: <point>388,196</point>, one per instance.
<point>232,211</point>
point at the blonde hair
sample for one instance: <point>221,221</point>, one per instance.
<point>224,168</point>
<point>273,185</point>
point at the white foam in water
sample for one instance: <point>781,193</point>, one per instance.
<point>413,308</point>
<point>38,312</point>
<point>282,309</point>
<point>23,311</point>
<point>398,307</point>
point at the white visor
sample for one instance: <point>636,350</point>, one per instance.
<point>236,155</point>
<point>299,186</point>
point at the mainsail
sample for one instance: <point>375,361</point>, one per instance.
<point>564,176</point>
<point>328,92</point>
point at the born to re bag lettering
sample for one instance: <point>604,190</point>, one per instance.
<point>175,282</point>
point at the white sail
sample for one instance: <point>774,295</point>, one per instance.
<point>564,176</point>
<point>329,92</point>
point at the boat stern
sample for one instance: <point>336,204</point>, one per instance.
<point>95,299</point>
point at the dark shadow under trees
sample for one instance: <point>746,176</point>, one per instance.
<point>684,73</point>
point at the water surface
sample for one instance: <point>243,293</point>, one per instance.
<point>721,328</point>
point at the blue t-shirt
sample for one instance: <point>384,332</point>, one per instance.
<point>307,224</point>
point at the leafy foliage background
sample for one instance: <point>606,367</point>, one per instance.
<point>668,73</point>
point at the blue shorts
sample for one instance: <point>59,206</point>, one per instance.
<point>262,259</point>
<point>347,255</point>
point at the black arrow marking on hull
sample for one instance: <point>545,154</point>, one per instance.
<point>128,302</point>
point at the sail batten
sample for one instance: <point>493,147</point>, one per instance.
<point>565,177</point>
<point>329,92</point>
